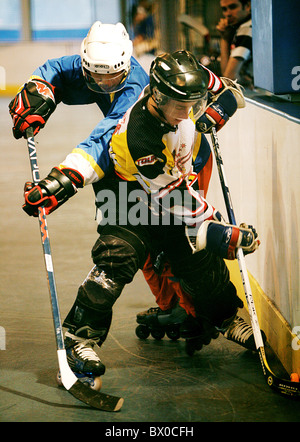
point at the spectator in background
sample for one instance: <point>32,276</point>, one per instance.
<point>236,41</point>
<point>144,41</point>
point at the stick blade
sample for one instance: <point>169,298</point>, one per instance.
<point>85,394</point>
<point>95,399</point>
<point>283,386</point>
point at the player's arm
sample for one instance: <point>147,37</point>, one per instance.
<point>86,164</point>
<point>225,97</point>
<point>179,197</point>
<point>204,226</point>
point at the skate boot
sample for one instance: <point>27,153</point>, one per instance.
<point>83,359</point>
<point>159,322</point>
<point>197,332</point>
<point>240,332</point>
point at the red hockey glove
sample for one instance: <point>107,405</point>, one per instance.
<point>217,113</point>
<point>52,191</point>
<point>32,107</point>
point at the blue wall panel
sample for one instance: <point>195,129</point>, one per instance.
<point>276,44</point>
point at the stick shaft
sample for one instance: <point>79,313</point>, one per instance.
<point>240,255</point>
<point>45,243</point>
<point>85,394</point>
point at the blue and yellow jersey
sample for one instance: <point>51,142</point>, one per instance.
<point>65,73</point>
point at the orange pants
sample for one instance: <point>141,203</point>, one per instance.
<point>164,287</point>
<point>166,291</point>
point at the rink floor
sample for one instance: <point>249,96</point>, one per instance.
<point>159,382</point>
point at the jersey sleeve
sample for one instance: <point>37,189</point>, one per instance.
<point>65,74</point>
<point>215,84</point>
<point>91,157</point>
<point>201,152</point>
<point>58,71</point>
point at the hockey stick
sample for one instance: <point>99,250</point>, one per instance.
<point>71,383</point>
<point>283,386</point>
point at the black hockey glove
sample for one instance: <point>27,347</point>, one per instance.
<point>32,107</point>
<point>52,191</point>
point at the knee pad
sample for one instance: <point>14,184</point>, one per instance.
<point>120,253</point>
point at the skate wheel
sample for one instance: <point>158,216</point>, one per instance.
<point>295,377</point>
<point>174,335</point>
<point>58,379</point>
<point>95,383</point>
<point>142,332</point>
<point>157,334</point>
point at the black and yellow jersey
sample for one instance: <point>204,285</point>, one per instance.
<point>143,146</point>
<point>160,158</point>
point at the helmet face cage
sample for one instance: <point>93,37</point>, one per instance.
<point>179,109</point>
<point>200,106</point>
<point>105,83</point>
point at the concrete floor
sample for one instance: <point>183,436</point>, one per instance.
<point>160,383</point>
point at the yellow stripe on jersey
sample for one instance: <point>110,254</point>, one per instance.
<point>123,162</point>
<point>91,161</point>
<point>197,146</point>
<point>170,163</point>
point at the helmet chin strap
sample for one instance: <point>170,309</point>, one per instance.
<point>162,115</point>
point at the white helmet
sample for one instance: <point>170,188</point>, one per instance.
<point>106,49</point>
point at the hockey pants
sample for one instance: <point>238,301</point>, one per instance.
<point>119,253</point>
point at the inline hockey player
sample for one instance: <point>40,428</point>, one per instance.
<point>104,73</point>
<point>152,151</point>
<point>224,97</point>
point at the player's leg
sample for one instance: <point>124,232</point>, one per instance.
<point>117,255</point>
<point>164,286</point>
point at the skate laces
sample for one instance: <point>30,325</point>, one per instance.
<point>239,331</point>
<point>84,347</point>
